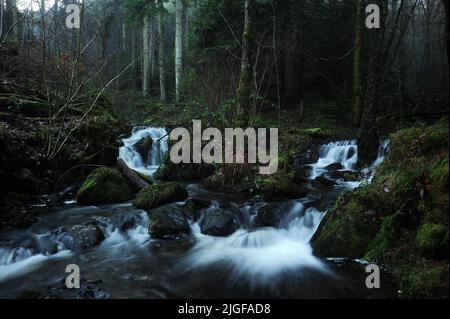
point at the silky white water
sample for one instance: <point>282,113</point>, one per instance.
<point>259,254</point>
<point>159,147</point>
<point>343,152</point>
<point>267,252</point>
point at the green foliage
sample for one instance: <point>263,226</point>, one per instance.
<point>137,9</point>
<point>432,240</point>
<point>424,282</point>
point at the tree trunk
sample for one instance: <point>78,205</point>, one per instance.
<point>178,46</point>
<point>446,8</point>
<point>124,35</point>
<point>162,64</point>
<point>2,15</point>
<point>131,175</point>
<point>10,15</point>
<point>145,55</point>
<point>245,82</point>
<point>133,54</point>
<point>152,52</point>
<point>368,137</point>
<point>357,98</point>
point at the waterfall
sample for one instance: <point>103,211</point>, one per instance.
<point>266,252</point>
<point>159,148</point>
<point>343,152</point>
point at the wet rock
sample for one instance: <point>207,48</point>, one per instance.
<point>80,237</point>
<point>301,175</point>
<point>88,290</point>
<point>104,185</point>
<point>193,208</point>
<point>157,195</point>
<point>218,222</point>
<point>334,167</point>
<point>143,147</point>
<point>348,176</point>
<point>323,182</point>
<point>168,222</point>
<point>271,215</point>
<point>126,218</point>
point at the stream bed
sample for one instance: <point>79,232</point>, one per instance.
<point>252,262</point>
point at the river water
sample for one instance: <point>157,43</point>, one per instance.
<point>272,262</point>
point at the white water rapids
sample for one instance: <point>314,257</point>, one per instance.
<point>159,147</point>
<point>258,253</point>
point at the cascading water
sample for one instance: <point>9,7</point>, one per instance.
<point>266,252</point>
<point>131,261</point>
<point>343,152</point>
<point>262,253</point>
<point>159,147</point>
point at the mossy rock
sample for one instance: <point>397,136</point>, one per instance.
<point>157,195</point>
<point>439,184</point>
<point>103,186</point>
<point>400,220</point>
<point>346,230</point>
<point>432,240</point>
<point>425,281</point>
<point>385,239</point>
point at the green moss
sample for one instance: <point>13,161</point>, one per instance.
<point>347,230</point>
<point>439,183</point>
<point>424,282</point>
<point>401,218</point>
<point>315,132</point>
<point>430,240</point>
<point>156,195</point>
<point>384,240</point>
<point>104,185</point>
<point>279,185</point>
<point>418,141</point>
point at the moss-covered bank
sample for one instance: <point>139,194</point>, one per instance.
<point>400,220</point>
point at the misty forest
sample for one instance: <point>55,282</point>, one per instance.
<point>91,89</point>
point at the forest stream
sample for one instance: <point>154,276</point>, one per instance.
<point>252,262</point>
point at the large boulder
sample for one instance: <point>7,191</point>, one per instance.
<point>271,215</point>
<point>168,222</point>
<point>157,195</point>
<point>194,207</point>
<point>104,185</point>
<point>346,175</point>
<point>218,222</point>
<point>125,218</point>
<point>323,182</point>
<point>334,167</point>
<point>80,237</point>
<point>143,147</point>
<point>400,219</point>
